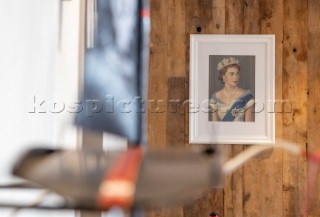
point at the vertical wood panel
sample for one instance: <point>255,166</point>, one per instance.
<point>234,16</point>
<point>295,90</point>
<point>192,24</point>
<point>205,205</point>
<point>176,73</point>
<point>271,175</point>
<point>233,186</point>
<point>252,170</point>
<point>218,27</point>
<point>176,35</point>
<point>218,16</point>
<point>175,83</point>
<point>263,175</point>
<point>158,74</point>
<point>172,64</point>
<point>201,18</point>
<point>175,114</point>
<point>252,17</point>
<point>313,90</point>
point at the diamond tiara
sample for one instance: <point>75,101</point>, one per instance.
<point>226,62</point>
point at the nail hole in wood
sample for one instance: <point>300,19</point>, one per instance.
<point>198,29</point>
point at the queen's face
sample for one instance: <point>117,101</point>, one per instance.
<point>231,77</point>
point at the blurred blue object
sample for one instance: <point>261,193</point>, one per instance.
<point>115,72</point>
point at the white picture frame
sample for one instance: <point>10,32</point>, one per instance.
<point>256,55</point>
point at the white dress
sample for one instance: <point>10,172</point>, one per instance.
<point>234,111</point>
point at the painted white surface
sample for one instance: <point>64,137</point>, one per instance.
<point>33,64</point>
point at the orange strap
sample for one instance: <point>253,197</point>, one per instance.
<point>118,186</point>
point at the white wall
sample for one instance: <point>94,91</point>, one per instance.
<point>33,64</point>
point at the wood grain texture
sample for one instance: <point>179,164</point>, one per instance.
<point>192,24</point>
<point>295,90</point>
<point>262,177</point>
<point>218,16</point>
<point>234,16</point>
<point>175,114</point>
<point>206,204</point>
<point>216,202</point>
<point>233,185</point>
<point>272,184</point>
<point>313,93</point>
<point>201,19</point>
<point>166,129</point>
<point>176,37</point>
<point>271,22</point>
<point>158,75</point>
<point>252,17</point>
<point>253,170</point>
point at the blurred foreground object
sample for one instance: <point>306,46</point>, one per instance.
<point>213,214</point>
<point>135,178</point>
<point>115,71</point>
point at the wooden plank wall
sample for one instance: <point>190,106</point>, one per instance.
<point>273,183</point>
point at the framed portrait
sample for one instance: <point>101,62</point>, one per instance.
<point>232,89</point>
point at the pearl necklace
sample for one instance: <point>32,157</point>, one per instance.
<point>229,95</point>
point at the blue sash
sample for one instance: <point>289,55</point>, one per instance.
<point>237,105</point>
